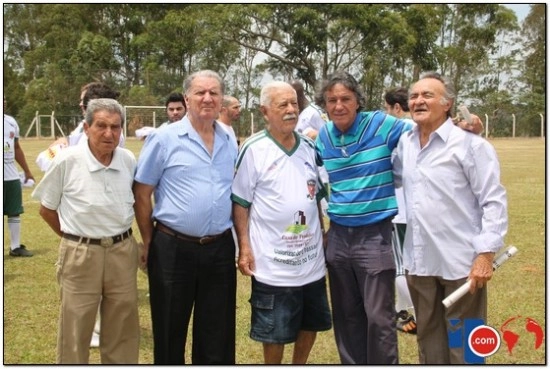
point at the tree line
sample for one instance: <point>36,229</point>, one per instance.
<point>146,50</point>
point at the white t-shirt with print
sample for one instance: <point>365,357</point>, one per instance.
<point>281,187</point>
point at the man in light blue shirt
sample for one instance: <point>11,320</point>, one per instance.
<point>188,245</point>
<point>456,216</point>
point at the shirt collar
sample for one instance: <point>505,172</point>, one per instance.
<point>94,165</point>
<point>443,131</point>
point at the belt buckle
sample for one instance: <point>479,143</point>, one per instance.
<point>107,241</point>
<point>204,240</point>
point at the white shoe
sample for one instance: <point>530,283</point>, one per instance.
<point>95,340</point>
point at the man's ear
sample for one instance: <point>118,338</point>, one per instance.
<point>448,105</point>
<point>263,110</point>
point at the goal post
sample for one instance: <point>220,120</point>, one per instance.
<point>142,116</point>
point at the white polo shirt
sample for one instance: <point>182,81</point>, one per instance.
<point>92,200</point>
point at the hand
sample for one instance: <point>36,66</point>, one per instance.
<point>246,262</point>
<point>476,126</point>
<point>481,271</point>
<point>143,254</point>
<point>28,175</point>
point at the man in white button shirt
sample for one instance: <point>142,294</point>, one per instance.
<point>229,114</point>
<point>86,198</point>
<point>456,216</point>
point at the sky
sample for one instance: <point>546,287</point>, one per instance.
<point>521,10</point>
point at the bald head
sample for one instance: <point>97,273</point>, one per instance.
<point>231,110</point>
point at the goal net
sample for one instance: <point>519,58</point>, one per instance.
<point>143,116</point>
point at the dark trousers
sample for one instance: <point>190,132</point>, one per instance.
<point>186,277</point>
<point>362,287</point>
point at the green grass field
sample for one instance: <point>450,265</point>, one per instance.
<point>31,299</point>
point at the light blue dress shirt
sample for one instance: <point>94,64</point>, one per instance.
<point>456,206</point>
<point>192,188</point>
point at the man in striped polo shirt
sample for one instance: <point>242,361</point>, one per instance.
<point>356,148</point>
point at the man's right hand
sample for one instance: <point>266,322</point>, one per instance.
<point>246,262</point>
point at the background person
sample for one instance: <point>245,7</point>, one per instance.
<point>276,194</point>
<point>229,114</point>
<point>188,246</point>
<point>175,108</point>
<point>312,116</point>
<point>457,218</point>
<point>13,196</point>
<point>86,198</point>
<point>396,104</point>
<point>93,90</point>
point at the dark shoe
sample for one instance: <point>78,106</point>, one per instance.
<point>405,322</point>
<point>21,251</point>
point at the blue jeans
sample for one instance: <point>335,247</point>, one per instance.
<point>279,313</point>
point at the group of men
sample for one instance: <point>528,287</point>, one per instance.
<point>192,184</point>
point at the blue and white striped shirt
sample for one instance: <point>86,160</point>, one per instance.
<point>359,166</point>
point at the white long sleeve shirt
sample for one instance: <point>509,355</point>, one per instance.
<point>456,206</point>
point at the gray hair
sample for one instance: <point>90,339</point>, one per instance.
<point>207,73</point>
<point>108,105</point>
<point>449,94</point>
<point>345,79</point>
<point>266,94</point>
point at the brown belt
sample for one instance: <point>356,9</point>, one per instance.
<point>200,240</point>
<point>105,241</point>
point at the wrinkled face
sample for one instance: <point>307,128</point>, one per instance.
<point>204,99</point>
<point>175,111</point>
<point>341,105</point>
<point>234,110</point>
<point>282,113</point>
<point>427,102</point>
<point>104,132</point>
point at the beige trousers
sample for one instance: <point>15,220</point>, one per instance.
<point>90,276</point>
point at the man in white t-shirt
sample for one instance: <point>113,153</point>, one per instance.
<point>229,114</point>
<point>13,197</point>
<point>276,211</point>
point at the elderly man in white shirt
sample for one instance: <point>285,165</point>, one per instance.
<point>456,215</point>
<point>86,198</point>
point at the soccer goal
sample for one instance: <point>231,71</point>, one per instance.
<point>142,116</point>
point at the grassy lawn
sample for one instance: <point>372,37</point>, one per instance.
<point>31,299</point>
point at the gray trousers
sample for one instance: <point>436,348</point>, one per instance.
<point>361,271</point>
